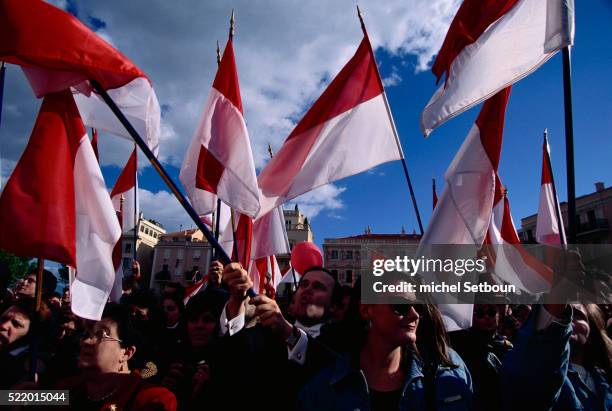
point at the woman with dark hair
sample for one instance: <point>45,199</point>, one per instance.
<point>17,324</point>
<point>106,359</point>
<point>404,363</point>
<point>590,362</point>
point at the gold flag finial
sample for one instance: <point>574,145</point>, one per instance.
<point>231,30</point>
<point>218,53</point>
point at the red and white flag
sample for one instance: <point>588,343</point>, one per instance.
<point>243,235</point>
<point>94,143</point>
<point>57,52</point>
<point>270,235</point>
<point>219,161</point>
<point>126,187</point>
<point>265,275</point>
<point>463,212</point>
<point>549,230</point>
<point>193,289</point>
<point>514,264</point>
<point>435,193</point>
<point>60,210</point>
<point>348,130</point>
<point>492,44</point>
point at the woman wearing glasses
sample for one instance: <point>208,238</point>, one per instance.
<point>403,363</point>
<point>107,381</point>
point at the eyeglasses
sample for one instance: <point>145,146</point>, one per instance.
<point>98,336</point>
<point>401,309</point>
<point>481,312</point>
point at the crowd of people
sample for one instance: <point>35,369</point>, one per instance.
<point>322,349</point>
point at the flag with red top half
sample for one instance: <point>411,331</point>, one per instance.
<point>56,52</point>
<point>219,161</point>
<point>490,45</point>
<point>347,130</point>
<point>548,229</point>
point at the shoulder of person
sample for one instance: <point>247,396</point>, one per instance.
<point>152,397</point>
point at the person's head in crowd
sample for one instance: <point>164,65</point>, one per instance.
<point>589,342</point>
<point>16,324</point>
<point>144,308</point>
<point>317,296</point>
<point>66,298</point>
<point>55,300</point>
<point>67,325</point>
<point>214,274</point>
<point>172,306</point>
<point>344,302</point>
<point>521,313</point>
<point>485,318</point>
<point>509,326</point>
<point>27,288</point>
<point>202,319</point>
<point>109,345</point>
<point>174,288</point>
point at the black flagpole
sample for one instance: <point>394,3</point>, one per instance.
<point>397,140</point>
<point>569,146</point>
<point>218,214</point>
<point>136,216</point>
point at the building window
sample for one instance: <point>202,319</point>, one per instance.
<point>180,253</point>
<point>142,228</point>
<point>349,255</point>
<point>349,276</point>
<point>178,269</point>
<point>128,247</point>
<point>196,254</point>
<point>288,224</point>
<point>341,278</point>
<point>166,253</point>
<point>334,254</point>
<point>335,273</point>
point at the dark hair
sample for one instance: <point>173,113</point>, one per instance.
<point>337,292</point>
<point>126,331</point>
<point>27,307</point>
<point>180,290</point>
<point>211,302</point>
<point>176,299</point>
<point>598,348</point>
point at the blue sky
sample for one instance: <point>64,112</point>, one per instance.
<point>281,76</point>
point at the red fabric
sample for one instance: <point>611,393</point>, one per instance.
<point>435,195</point>
<point>37,206</point>
<point>209,171</point>
<point>262,269</point>
<point>244,236</point>
<point>94,143</point>
<point>490,123</point>
<point>192,289</point>
<point>34,33</point>
<point>127,179</point>
<point>547,177</point>
<point>226,80</point>
<point>471,20</point>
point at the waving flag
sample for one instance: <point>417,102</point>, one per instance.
<point>347,130</point>
<point>243,236</point>
<point>270,235</point>
<point>549,230</point>
<point>127,187</point>
<point>57,51</point>
<point>266,275</point>
<point>492,44</point>
<point>61,210</point>
<point>463,212</point>
<point>219,161</point>
<point>514,264</point>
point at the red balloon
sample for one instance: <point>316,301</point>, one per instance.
<point>304,256</point>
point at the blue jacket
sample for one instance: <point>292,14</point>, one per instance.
<point>344,387</point>
<point>575,395</point>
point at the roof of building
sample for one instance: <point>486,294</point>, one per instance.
<point>380,237</point>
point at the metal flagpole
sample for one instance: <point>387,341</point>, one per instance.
<point>569,146</point>
<point>554,187</point>
<point>397,139</point>
<point>136,216</point>
<point>218,213</point>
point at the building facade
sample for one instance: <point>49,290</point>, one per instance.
<point>594,213</point>
<point>179,256</point>
<point>298,230</point>
<point>351,257</point>
<point>149,233</point>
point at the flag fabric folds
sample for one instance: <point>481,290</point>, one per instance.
<point>347,130</point>
<point>266,275</point>
<point>243,236</point>
<point>549,230</point>
<point>60,210</point>
<point>219,161</point>
<point>57,51</point>
<point>270,235</point>
<point>463,212</point>
<point>492,44</point>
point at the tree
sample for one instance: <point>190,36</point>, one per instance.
<point>13,268</point>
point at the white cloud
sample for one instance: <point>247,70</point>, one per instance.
<point>286,52</point>
<point>326,197</point>
<point>162,206</point>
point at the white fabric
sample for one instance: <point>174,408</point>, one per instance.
<point>509,264</point>
<point>270,235</point>
<point>511,48</point>
<point>136,100</point>
<point>97,232</point>
<point>348,144</point>
<point>231,326</point>
<point>223,132</point>
<point>548,229</point>
<point>271,267</point>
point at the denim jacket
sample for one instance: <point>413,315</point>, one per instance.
<point>344,387</point>
<point>576,395</point>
